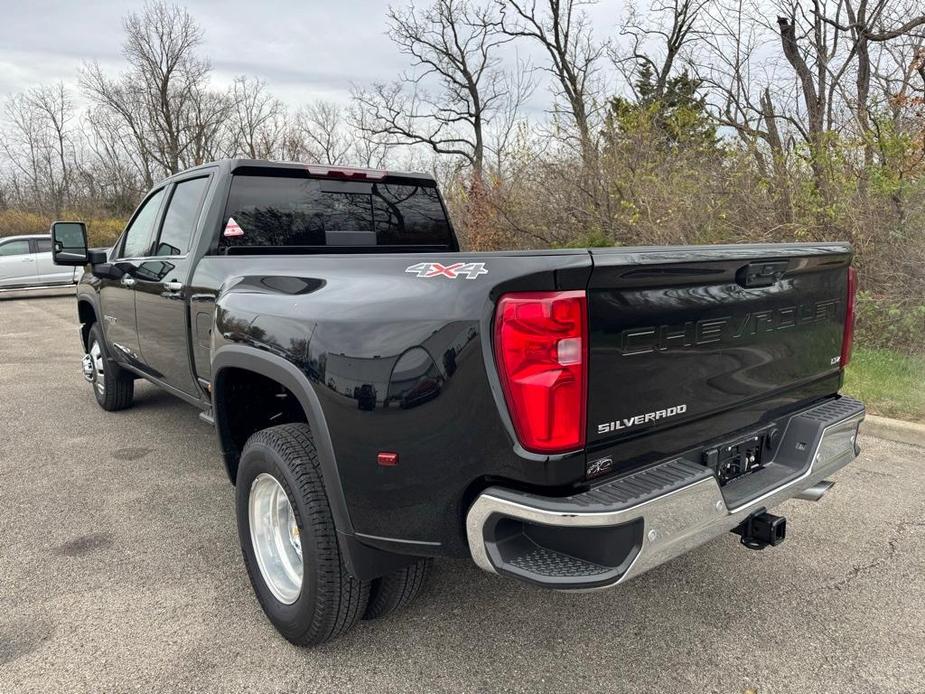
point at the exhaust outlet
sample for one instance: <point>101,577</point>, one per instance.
<point>816,492</point>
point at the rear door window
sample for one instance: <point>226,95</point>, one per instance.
<point>180,218</point>
<point>43,245</point>
<point>290,211</point>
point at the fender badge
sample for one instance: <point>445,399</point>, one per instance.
<point>430,270</point>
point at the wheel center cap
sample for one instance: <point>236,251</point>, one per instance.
<point>86,364</point>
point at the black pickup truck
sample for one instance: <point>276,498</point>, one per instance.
<point>569,418</point>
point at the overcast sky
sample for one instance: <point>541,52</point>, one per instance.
<point>304,49</point>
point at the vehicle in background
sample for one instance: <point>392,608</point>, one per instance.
<point>26,262</point>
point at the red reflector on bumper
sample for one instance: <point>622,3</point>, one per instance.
<point>387,459</point>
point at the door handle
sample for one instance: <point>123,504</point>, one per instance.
<point>173,286</point>
<point>128,282</point>
<point>28,260</point>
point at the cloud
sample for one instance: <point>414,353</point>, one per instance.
<point>302,49</point>
<point>307,50</point>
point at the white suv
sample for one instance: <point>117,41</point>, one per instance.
<point>25,261</point>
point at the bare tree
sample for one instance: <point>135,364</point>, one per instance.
<point>38,143</point>
<point>257,119</point>
<point>159,99</point>
<point>563,30</point>
<point>740,99</point>
<point>207,116</point>
<point>810,60</point>
<point>821,66</point>
<point>509,122</point>
<point>453,46</point>
<point>55,107</point>
<point>368,152</point>
<point>868,24</point>
<point>109,168</point>
<point>325,132</point>
<point>22,144</point>
<point>658,43</point>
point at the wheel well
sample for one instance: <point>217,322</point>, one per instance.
<point>87,317</point>
<point>244,402</point>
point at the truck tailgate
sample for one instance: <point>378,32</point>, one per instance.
<point>693,343</point>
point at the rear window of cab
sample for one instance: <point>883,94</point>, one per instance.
<point>289,211</point>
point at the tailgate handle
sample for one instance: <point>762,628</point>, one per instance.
<point>762,273</point>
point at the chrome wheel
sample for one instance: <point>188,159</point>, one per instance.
<point>275,538</point>
<point>93,368</point>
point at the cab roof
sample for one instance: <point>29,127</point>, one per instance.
<point>319,170</point>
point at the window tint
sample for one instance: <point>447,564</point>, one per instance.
<point>292,211</point>
<point>180,218</point>
<point>403,214</point>
<point>43,245</point>
<point>138,236</point>
<point>14,248</point>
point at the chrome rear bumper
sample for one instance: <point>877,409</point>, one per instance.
<point>668,509</point>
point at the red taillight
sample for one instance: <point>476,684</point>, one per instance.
<point>541,347</point>
<point>848,337</point>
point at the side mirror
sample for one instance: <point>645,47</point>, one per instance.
<point>69,243</point>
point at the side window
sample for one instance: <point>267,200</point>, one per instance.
<point>139,233</point>
<point>19,247</point>
<point>43,245</point>
<point>181,216</point>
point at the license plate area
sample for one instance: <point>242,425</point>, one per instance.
<point>739,457</point>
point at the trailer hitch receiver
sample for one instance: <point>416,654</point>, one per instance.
<point>762,529</point>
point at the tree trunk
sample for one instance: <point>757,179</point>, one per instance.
<point>778,159</point>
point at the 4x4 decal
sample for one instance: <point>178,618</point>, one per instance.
<point>428,270</point>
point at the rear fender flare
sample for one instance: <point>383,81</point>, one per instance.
<point>294,380</point>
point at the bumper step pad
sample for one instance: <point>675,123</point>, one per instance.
<point>543,561</point>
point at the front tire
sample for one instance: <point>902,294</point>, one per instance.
<point>288,539</point>
<point>113,386</point>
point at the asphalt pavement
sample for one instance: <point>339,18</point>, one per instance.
<point>120,571</point>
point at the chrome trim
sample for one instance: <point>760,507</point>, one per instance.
<point>678,521</point>
<point>98,362</point>
<point>275,538</point>
<point>816,492</point>
<point>86,365</point>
